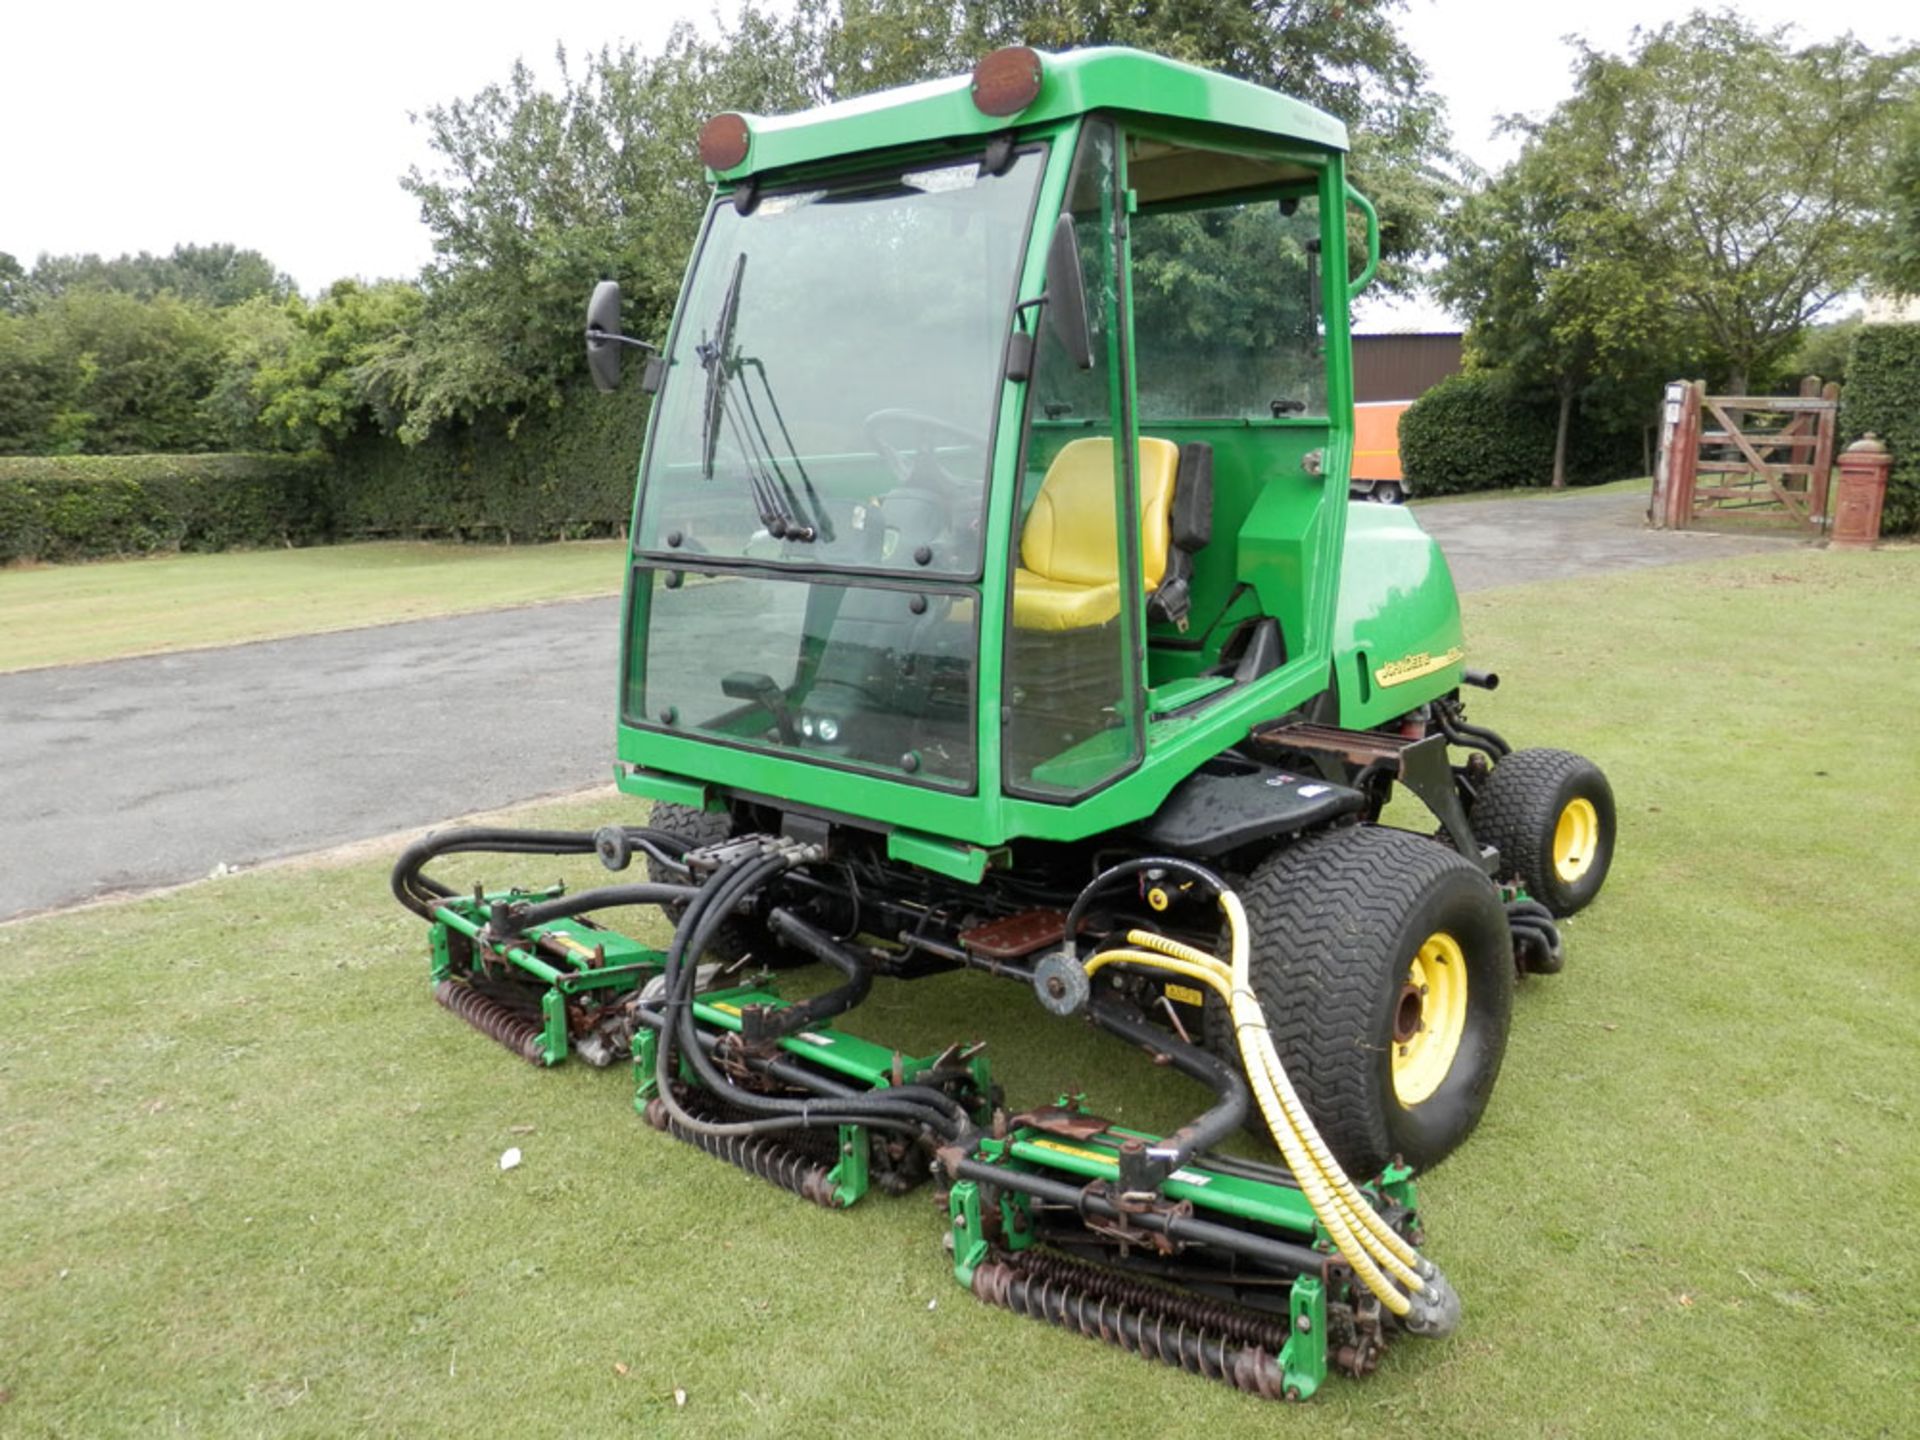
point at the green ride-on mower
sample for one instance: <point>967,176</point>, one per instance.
<point>996,604</point>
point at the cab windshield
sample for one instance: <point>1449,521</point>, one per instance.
<point>833,376</point>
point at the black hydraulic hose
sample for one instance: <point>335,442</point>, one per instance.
<point>1134,867</point>
<point>821,946</point>
<point>420,892</point>
<point>832,1092</point>
<point>1279,1256</point>
<point>1212,1127</point>
<point>606,897</point>
<point>716,901</point>
<point>1249,1169</point>
<point>1470,737</point>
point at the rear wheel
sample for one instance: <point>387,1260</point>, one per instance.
<point>1384,964</point>
<point>1551,814</point>
<point>738,937</point>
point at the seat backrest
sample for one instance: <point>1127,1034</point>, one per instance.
<point>1070,534</point>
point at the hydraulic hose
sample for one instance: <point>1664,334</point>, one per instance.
<point>821,946</point>
<point>1405,1283</point>
<point>420,892</point>
<point>1229,1110</point>
<point>919,1108</point>
<point>607,897</point>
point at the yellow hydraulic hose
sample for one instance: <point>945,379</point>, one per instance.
<point>1327,1203</point>
<point>1360,1211</point>
<point>1364,1240</point>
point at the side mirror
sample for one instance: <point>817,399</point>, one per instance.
<point>603,336</point>
<point>1067,295</point>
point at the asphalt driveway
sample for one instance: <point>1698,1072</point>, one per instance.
<point>130,774</point>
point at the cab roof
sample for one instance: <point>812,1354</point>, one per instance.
<point>1072,83</point>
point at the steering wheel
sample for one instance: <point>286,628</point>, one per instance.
<point>911,468</point>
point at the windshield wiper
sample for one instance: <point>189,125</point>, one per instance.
<point>713,359</point>
<point>773,498</point>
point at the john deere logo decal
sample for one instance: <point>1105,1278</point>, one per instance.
<point>1414,666</point>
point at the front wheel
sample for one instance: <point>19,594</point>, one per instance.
<point>1551,815</point>
<point>1384,964</point>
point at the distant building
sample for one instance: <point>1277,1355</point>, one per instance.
<point>1402,365</point>
<point>1392,368</point>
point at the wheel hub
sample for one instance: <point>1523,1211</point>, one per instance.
<point>1576,835</point>
<point>1429,1018</point>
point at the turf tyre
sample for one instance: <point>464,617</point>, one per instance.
<point>1335,922</point>
<point>1518,810</point>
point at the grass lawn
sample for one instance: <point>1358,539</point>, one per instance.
<point>249,1183</point>
<point>63,614</point>
<point>1639,484</point>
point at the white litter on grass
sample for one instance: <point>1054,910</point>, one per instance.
<point>679,1399</point>
<point>510,1157</point>
<point>931,1303</point>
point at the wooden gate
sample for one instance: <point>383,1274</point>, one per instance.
<point>1745,457</point>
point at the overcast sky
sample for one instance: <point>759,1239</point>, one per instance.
<point>285,128</point>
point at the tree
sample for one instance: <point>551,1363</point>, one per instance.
<point>213,275</point>
<point>340,365</point>
<point>1899,267</point>
<point>13,285</point>
<point>1558,291</point>
<point>1749,172</point>
<point>99,372</point>
<point>537,193</point>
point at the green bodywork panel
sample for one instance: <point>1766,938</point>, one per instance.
<point>1073,84</point>
<point>1398,642</point>
<point>1281,528</point>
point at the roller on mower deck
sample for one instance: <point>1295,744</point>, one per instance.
<point>996,605</point>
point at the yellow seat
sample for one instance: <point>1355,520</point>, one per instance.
<point>1069,573</point>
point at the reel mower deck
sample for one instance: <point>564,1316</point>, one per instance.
<point>1161,1245</point>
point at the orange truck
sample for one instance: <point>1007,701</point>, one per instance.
<point>1376,473</point>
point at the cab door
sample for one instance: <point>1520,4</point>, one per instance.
<point>1071,675</point>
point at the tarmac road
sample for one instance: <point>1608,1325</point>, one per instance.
<point>130,774</point>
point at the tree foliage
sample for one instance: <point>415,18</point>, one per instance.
<point>538,192</point>
<point>1560,294</point>
<point>1750,173</point>
<point>1883,398</point>
<point>1899,267</point>
<point>99,371</point>
<point>212,275</point>
<point>1692,208</point>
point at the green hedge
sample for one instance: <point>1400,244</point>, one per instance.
<point>1476,431</point>
<point>76,507</point>
<point>567,473</point>
<point>1883,396</point>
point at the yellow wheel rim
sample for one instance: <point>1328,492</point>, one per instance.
<point>1429,1019</point>
<point>1576,835</point>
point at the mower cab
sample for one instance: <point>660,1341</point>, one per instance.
<point>997,475</point>
<point>996,604</point>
